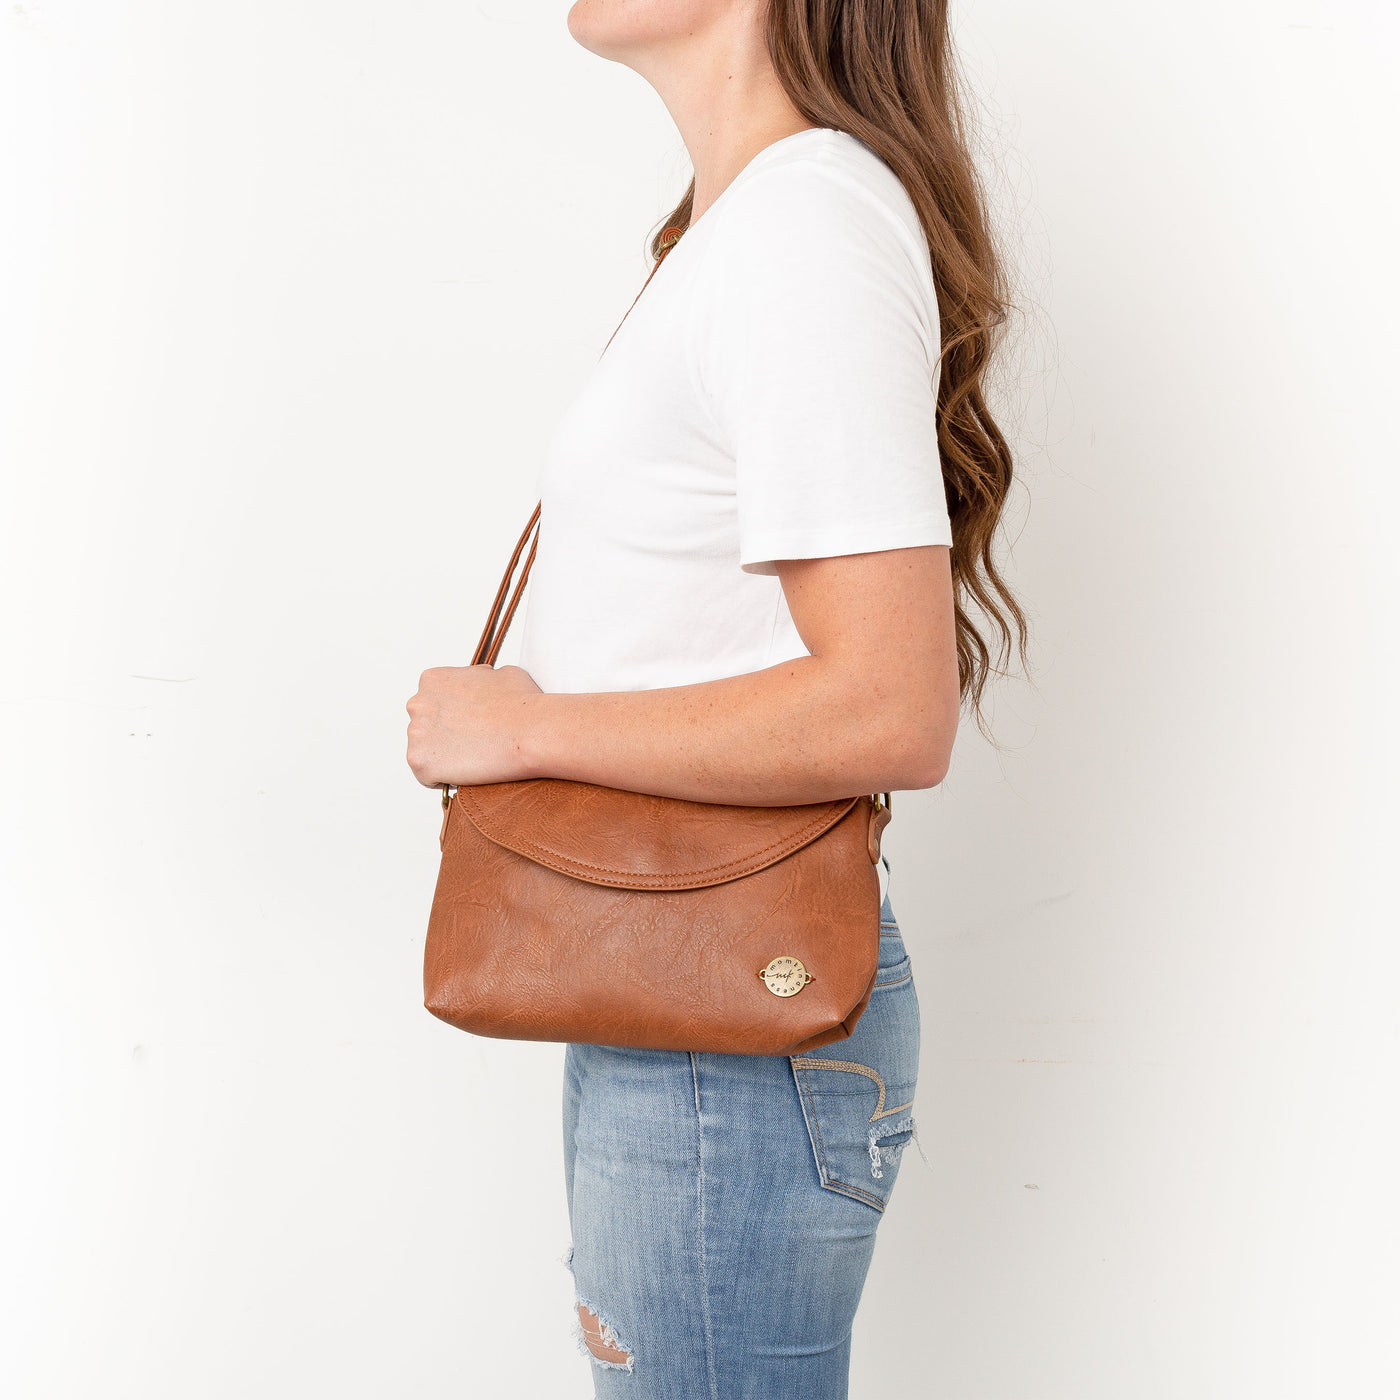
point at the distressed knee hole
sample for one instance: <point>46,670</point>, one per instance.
<point>602,1340</point>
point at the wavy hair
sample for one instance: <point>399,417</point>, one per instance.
<point>885,71</point>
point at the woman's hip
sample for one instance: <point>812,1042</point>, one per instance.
<point>724,1207</point>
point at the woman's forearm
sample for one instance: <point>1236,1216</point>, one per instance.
<point>798,732</point>
<point>872,707</point>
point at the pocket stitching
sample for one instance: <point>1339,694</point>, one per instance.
<point>854,1067</point>
<point>830,1182</point>
<point>895,981</point>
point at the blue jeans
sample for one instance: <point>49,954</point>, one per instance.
<point>724,1207</point>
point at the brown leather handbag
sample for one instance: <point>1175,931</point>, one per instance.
<point>570,912</point>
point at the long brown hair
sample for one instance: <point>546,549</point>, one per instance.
<point>885,71</point>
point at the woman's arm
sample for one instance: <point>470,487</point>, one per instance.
<point>874,708</point>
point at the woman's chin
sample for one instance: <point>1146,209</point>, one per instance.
<point>618,28</point>
<point>593,26</point>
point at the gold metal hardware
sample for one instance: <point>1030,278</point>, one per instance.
<point>785,976</point>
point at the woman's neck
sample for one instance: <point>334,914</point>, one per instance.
<point>721,91</point>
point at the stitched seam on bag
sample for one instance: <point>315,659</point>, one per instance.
<point>535,850</point>
<point>796,839</point>
<point>831,1182</point>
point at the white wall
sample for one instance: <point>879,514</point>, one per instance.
<point>293,295</point>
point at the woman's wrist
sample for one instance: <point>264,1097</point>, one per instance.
<point>535,736</point>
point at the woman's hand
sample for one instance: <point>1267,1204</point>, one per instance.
<point>466,724</point>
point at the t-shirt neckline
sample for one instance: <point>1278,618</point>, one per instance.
<point>755,161</point>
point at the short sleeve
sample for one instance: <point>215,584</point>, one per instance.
<point>817,351</point>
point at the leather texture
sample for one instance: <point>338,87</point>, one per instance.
<point>630,841</point>
<point>520,949</point>
<point>566,911</point>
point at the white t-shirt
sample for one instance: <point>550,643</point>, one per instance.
<point>770,396</point>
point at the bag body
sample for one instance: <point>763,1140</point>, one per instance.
<point>571,912</point>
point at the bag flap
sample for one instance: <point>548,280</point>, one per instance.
<point>634,842</point>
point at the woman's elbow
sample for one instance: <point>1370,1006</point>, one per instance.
<point>925,767</point>
<point>904,734</point>
<point>918,755</point>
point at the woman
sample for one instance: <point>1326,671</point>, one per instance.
<point>766,519</point>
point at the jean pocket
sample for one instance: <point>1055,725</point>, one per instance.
<point>858,1093</point>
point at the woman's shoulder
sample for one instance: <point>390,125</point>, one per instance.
<point>820,189</point>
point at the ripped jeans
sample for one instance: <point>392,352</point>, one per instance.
<point>723,1207</point>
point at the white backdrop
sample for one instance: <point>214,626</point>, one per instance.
<point>293,295</point>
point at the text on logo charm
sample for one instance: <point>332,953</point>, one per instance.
<point>785,976</point>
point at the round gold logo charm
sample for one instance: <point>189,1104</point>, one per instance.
<point>785,976</point>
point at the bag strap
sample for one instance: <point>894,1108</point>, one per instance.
<point>498,622</point>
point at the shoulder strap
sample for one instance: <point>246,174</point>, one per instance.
<point>670,236</point>
<point>498,621</point>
